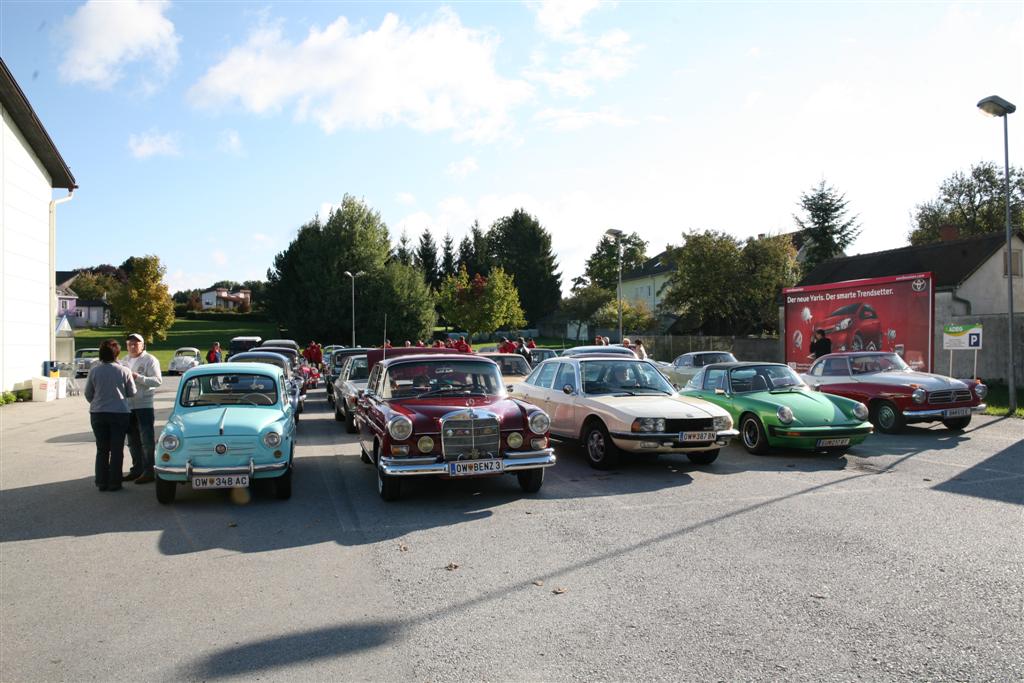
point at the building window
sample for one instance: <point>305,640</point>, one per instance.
<point>1015,259</point>
<point>63,304</point>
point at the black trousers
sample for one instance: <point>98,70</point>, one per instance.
<point>109,430</point>
<point>142,440</point>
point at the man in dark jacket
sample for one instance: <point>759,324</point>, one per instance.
<point>821,346</point>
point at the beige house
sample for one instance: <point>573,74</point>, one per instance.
<point>222,298</point>
<point>646,285</point>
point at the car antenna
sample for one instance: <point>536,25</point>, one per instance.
<point>384,346</point>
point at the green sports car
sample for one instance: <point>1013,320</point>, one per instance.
<point>772,406</point>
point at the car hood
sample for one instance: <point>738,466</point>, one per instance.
<point>426,413</point>
<point>809,407</point>
<point>668,407</point>
<point>236,420</point>
<point>925,379</point>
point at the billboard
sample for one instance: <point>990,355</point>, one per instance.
<point>885,313</point>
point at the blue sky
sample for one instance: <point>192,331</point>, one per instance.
<point>207,133</point>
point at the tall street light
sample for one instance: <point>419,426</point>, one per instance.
<point>617,234</point>
<point>997,106</point>
<point>353,306</point>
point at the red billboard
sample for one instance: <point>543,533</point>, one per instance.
<point>885,313</point>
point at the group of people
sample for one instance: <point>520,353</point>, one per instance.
<point>637,347</point>
<point>120,396</point>
<point>314,354</point>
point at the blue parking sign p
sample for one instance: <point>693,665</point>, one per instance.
<point>974,340</point>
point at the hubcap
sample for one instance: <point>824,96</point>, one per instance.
<point>750,435</point>
<point>595,446</point>
<point>857,344</point>
<point>886,417</point>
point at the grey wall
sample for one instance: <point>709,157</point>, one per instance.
<point>992,359</point>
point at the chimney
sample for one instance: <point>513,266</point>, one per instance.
<point>948,233</point>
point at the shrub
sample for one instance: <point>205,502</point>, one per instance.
<point>7,397</point>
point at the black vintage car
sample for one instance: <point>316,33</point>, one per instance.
<point>338,357</point>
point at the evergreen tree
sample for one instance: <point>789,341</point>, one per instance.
<point>448,264</point>
<point>522,247</point>
<point>467,257</point>
<point>827,229</point>
<point>603,265</point>
<point>426,259</point>
<point>403,252</point>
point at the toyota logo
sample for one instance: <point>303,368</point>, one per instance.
<point>221,449</point>
<point>919,285</point>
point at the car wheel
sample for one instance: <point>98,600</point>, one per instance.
<point>283,485</point>
<point>338,416</point>
<point>957,424</point>
<point>330,399</point>
<point>887,417</point>
<point>165,490</point>
<point>389,488</point>
<point>350,422</point>
<point>530,481</point>
<point>602,454</point>
<point>703,457</point>
<point>752,433</point>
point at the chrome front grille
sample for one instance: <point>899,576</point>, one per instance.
<point>206,446</point>
<point>470,435</point>
<point>950,396</point>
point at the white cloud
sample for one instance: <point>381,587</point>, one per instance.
<point>439,76</point>
<point>261,238</point>
<point>219,257</point>
<point>603,59</point>
<point>405,198</point>
<point>153,143</point>
<point>573,119</point>
<point>560,19</point>
<point>462,168</point>
<point>231,142</point>
<point>104,37</point>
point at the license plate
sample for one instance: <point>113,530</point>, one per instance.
<point>697,436</point>
<point>828,443</point>
<point>469,468</point>
<point>956,412</point>
<point>231,481</point>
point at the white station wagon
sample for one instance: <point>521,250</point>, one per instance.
<point>616,405</point>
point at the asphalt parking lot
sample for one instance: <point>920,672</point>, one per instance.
<point>903,560</point>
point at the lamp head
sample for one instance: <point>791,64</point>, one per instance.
<point>348,273</point>
<point>613,232</point>
<point>996,106</point>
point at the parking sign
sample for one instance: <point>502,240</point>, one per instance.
<point>961,337</point>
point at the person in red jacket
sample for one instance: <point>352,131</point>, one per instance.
<point>438,344</point>
<point>387,344</point>
<point>420,344</point>
<point>462,346</point>
<point>530,344</point>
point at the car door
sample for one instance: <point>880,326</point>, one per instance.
<point>538,391</point>
<point>561,405</point>
<point>366,410</point>
<point>714,389</point>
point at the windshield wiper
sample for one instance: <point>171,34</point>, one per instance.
<point>624,393</point>
<point>660,391</point>
<point>442,390</point>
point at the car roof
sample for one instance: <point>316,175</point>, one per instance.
<point>284,350</point>
<point>444,354</point>
<point>280,342</point>
<point>581,350</point>
<point>187,348</point>
<point>246,338</point>
<point>241,368</point>
<point>497,354</point>
<point>742,364</point>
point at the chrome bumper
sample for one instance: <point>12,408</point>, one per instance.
<point>938,413</point>
<point>189,470</point>
<point>722,438</point>
<point>417,466</point>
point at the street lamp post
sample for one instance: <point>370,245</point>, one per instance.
<point>353,306</point>
<point>617,234</point>
<point>997,106</point>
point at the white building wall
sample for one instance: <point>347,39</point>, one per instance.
<point>209,299</point>
<point>986,288</point>
<point>25,324</point>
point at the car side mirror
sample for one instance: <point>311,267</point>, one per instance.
<point>510,388</point>
<point>568,389</point>
<point>677,387</point>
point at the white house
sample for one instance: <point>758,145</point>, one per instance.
<point>32,168</point>
<point>220,297</point>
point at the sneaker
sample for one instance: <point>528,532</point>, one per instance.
<point>145,478</point>
<point>132,474</point>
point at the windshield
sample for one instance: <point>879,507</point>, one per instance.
<point>188,353</point>
<point>702,359</point>
<point>228,390</point>
<point>845,310</point>
<point>622,377</point>
<point>512,365</point>
<point>442,378</point>
<point>878,362</point>
<point>88,353</point>
<point>359,370</point>
<point>763,378</point>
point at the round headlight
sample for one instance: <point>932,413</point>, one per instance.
<point>722,422</point>
<point>919,395</point>
<point>515,440</point>
<point>860,411</point>
<point>425,444</point>
<point>785,415</point>
<point>169,442</point>
<point>539,422</point>
<point>980,390</point>
<point>271,439</point>
<point>400,427</point>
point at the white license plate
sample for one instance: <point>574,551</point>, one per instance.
<point>697,436</point>
<point>956,412</point>
<point>828,443</point>
<point>231,481</point>
<point>468,468</point>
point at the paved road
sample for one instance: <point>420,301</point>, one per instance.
<point>902,560</point>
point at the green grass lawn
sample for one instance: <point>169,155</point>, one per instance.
<point>198,333</point>
<point>998,401</point>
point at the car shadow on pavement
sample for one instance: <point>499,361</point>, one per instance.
<point>1000,477</point>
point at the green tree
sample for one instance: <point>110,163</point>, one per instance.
<point>603,265</point>
<point>481,304</point>
<point>229,285</point>
<point>769,264</point>
<point>426,259</point>
<point>143,303</point>
<point>826,227</point>
<point>521,246</point>
<point>974,202</point>
<point>92,286</point>
<point>636,316</point>
<point>257,292</point>
<point>709,266</point>
<point>474,251</point>
<point>585,303</point>
<point>449,266</point>
<point>409,310</point>
<point>403,251</point>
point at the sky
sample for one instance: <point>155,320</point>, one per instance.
<point>209,132</point>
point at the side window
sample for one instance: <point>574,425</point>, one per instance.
<point>566,375</point>
<point>372,383</point>
<point>835,367</point>
<point>696,381</point>
<point>690,362</point>
<point>714,379</point>
<point>546,374</point>
<point>816,370</point>
<point>868,313</point>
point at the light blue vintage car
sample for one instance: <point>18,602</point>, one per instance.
<point>231,423</point>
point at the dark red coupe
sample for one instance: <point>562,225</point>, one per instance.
<point>448,415</point>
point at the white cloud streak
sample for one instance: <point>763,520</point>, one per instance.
<point>463,167</point>
<point>104,37</point>
<point>560,19</point>
<point>231,142</point>
<point>573,119</point>
<point>153,143</point>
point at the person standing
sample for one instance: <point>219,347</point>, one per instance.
<point>462,346</point>
<point>145,369</point>
<point>107,389</point>
<point>530,344</point>
<point>523,351</point>
<point>821,346</point>
<point>213,355</point>
<point>639,350</point>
